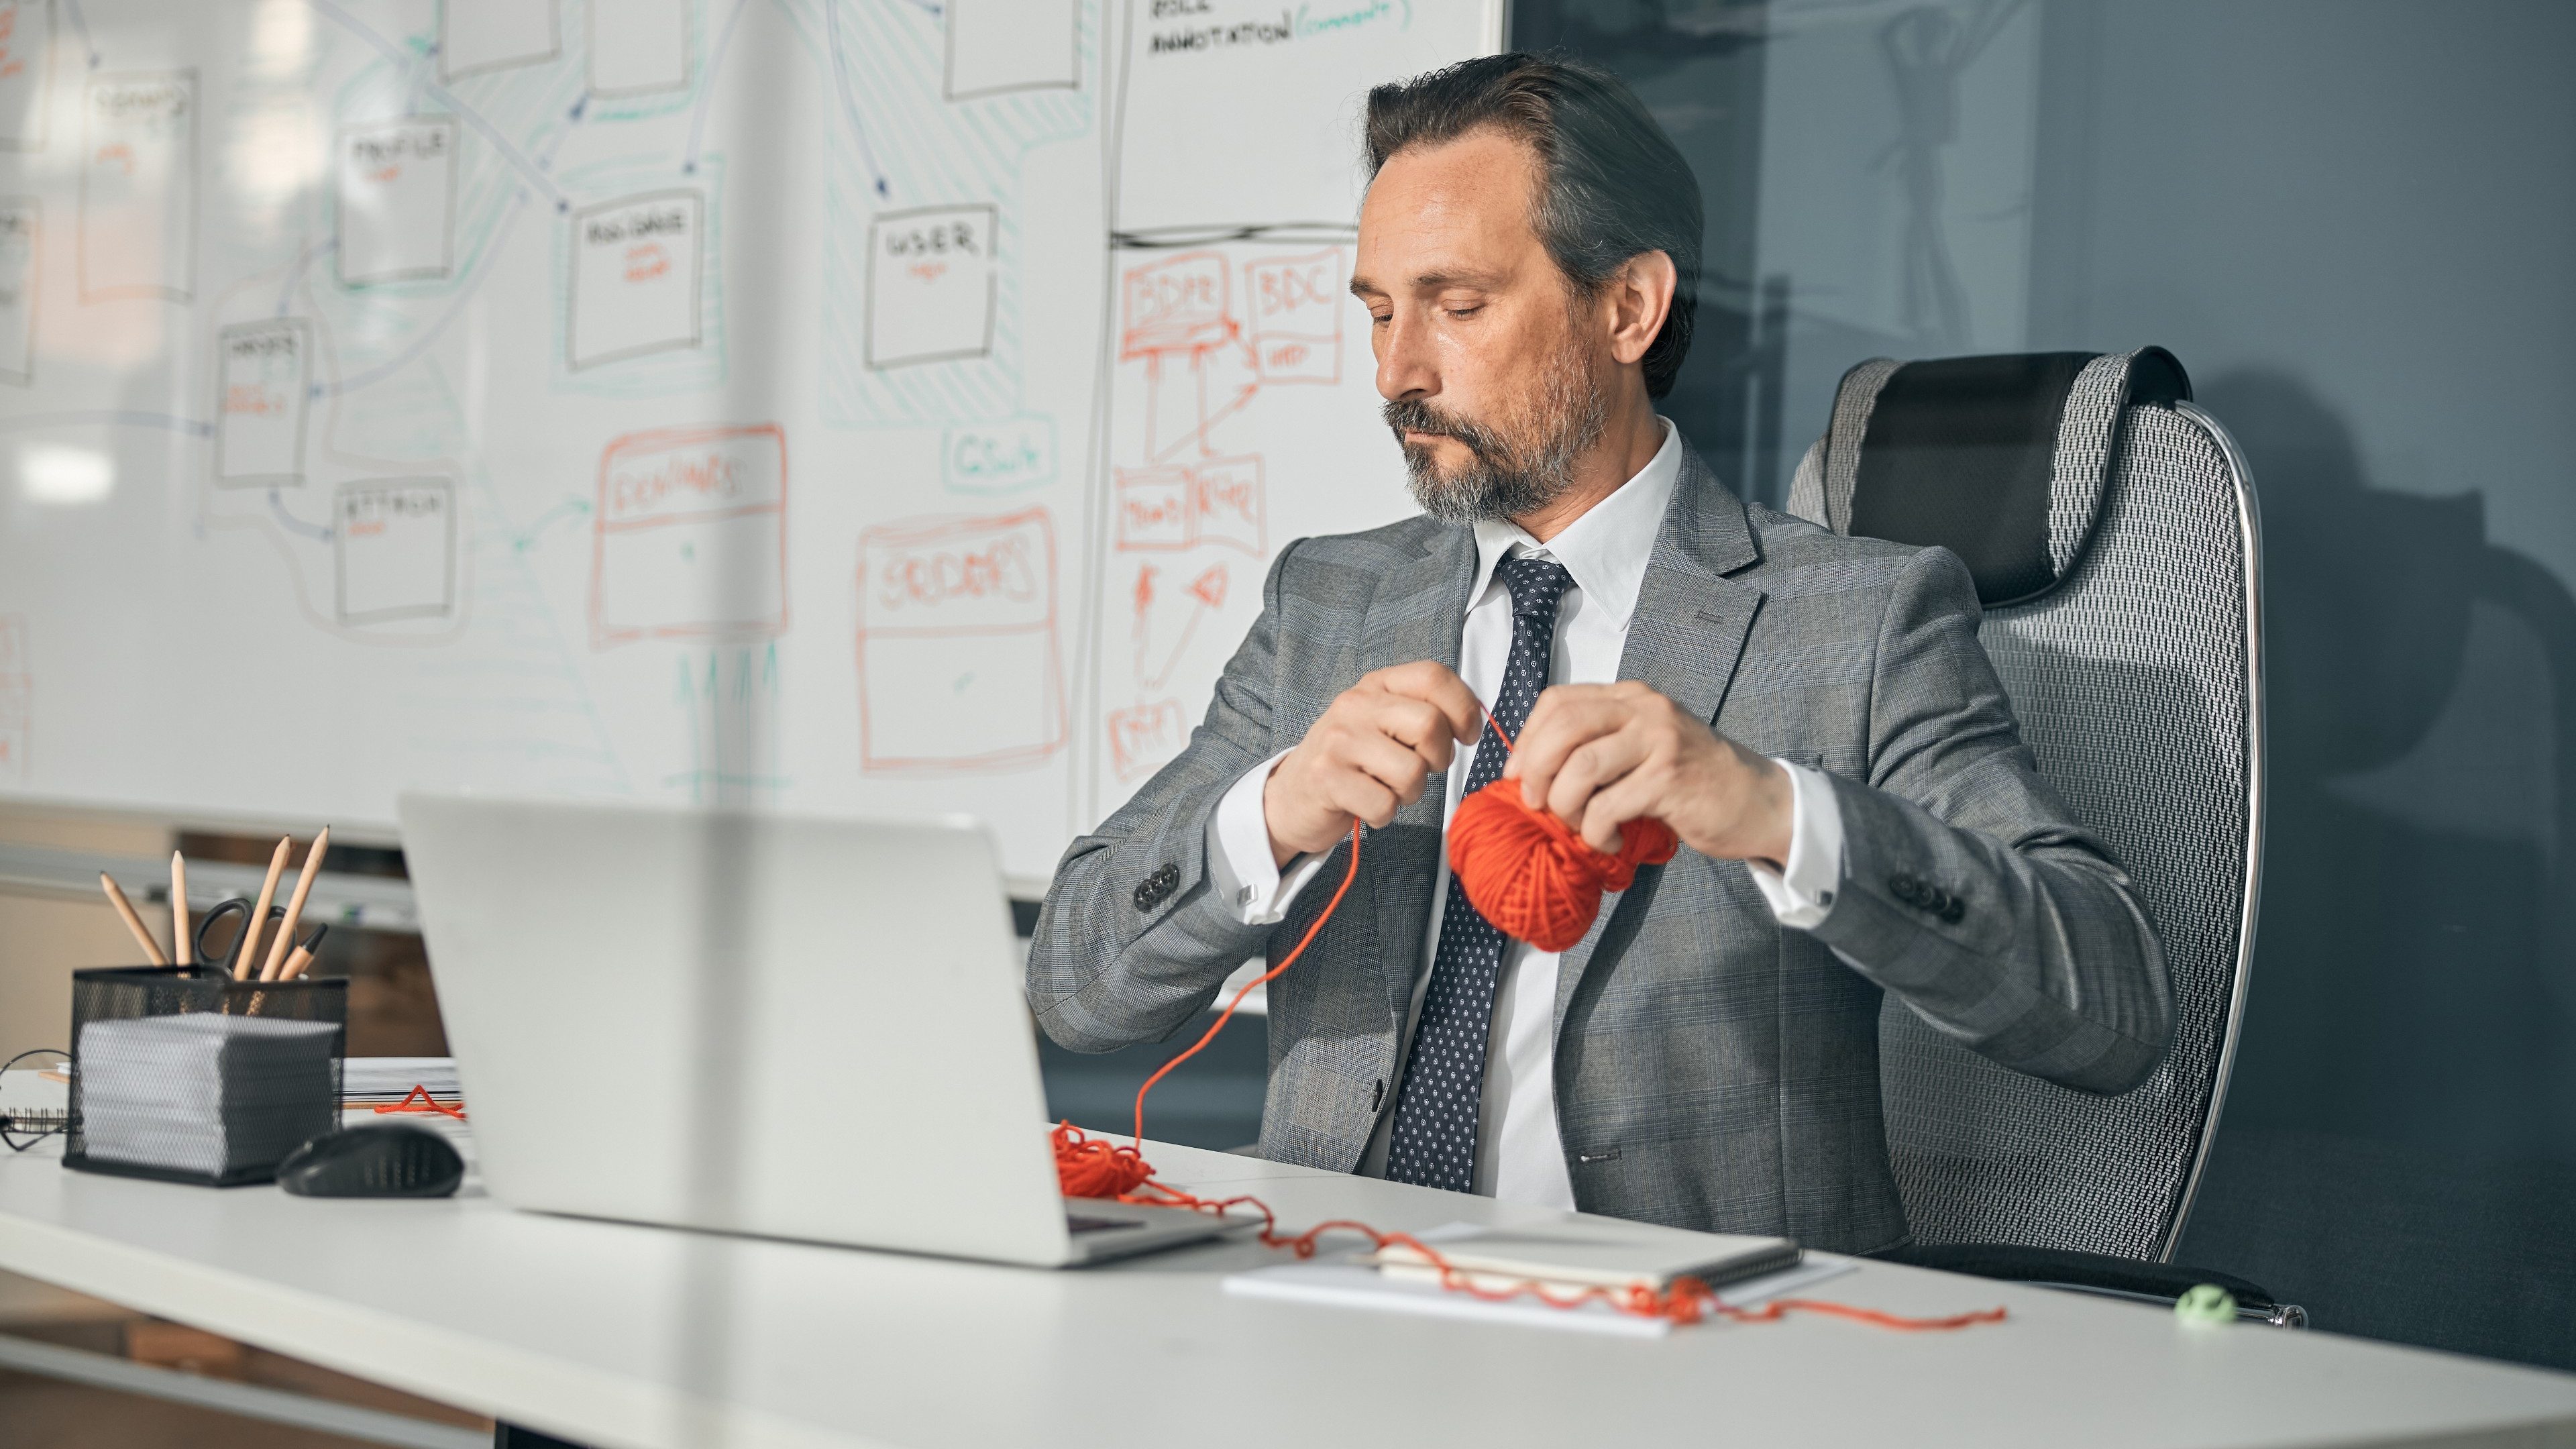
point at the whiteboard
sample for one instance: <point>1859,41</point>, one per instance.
<point>849,406</point>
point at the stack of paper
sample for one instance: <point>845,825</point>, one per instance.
<point>1569,1258</point>
<point>369,1081</point>
<point>1569,1252</point>
<point>204,1093</point>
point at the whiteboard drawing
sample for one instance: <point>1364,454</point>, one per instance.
<point>138,186</point>
<point>636,266</point>
<point>895,144</point>
<point>730,696</point>
<point>993,459</point>
<point>1177,306</point>
<point>263,373</point>
<point>959,668</point>
<point>999,46</point>
<point>1227,360</point>
<point>394,543</point>
<point>1142,737</point>
<point>930,285</point>
<point>639,47</point>
<point>1297,304</point>
<point>1167,620</point>
<point>21,236</point>
<point>26,73</point>
<point>479,35</point>
<point>689,536</point>
<point>17,698</point>
<point>1177,506</point>
<point>397,195</point>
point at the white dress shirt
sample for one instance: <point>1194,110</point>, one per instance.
<point>1519,1156</point>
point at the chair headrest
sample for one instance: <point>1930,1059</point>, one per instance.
<point>2003,460</point>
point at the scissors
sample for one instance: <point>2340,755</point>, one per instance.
<point>240,906</point>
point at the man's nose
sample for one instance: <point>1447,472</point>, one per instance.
<point>1405,365</point>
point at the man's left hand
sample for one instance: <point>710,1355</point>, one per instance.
<point>1601,754</point>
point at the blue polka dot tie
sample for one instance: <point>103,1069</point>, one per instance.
<point>1433,1141</point>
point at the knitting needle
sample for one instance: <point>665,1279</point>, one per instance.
<point>243,961</point>
<point>179,910</point>
<point>133,922</point>
<point>295,964</point>
<point>295,905</point>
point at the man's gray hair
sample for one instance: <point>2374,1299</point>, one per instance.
<point>1613,185</point>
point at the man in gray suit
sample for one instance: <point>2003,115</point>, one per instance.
<point>1812,715</point>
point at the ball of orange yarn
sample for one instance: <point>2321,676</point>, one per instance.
<point>1089,1167</point>
<point>1532,876</point>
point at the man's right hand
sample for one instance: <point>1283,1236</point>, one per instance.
<point>1368,756</point>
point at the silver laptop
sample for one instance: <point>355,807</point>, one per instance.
<point>798,1028</point>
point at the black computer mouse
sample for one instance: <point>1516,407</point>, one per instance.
<point>394,1160</point>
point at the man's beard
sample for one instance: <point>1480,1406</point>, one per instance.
<point>1512,470</point>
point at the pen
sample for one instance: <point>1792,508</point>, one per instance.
<point>133,922</point>
<point>243,961</point>
<point>295,905</point>
<point>179,910</point>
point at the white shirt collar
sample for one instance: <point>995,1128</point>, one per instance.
<point>1604,549</point>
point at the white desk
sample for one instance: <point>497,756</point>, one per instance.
<point>627,1336</point>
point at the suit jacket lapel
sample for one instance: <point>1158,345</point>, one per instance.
<point>1684,639</point>
<point>1418,613</point>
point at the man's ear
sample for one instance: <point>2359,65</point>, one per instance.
<point>1636,300</point>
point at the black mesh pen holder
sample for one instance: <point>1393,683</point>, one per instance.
<point>183,1074</point>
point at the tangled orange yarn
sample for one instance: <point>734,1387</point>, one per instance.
<point>1537,881</point>
<point>1532,876</point>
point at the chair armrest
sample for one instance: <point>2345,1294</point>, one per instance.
<point>2093,1273</point>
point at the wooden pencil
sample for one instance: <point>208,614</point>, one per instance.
<point>296,964</point>
<point>295,906</point>
<point>133,922</point>
<point>180,946</point>
<point>245,956</point>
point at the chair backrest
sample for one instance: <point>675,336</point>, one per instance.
<point>2112,531</point>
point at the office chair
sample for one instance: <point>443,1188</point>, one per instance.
<point>2111,530</point>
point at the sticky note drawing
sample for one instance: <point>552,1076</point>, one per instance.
<point>394,546</point>
<point>930,285</point>
<point>475,36</point>
<point>689,536</point>
<point>1142,737</point>
<point>959,668</point>
<point>636,265</point>
<point>1178,506</point>
<point>263,373</point>
<point>1297,304</point>
<point>995,47</point>
<point>138,186</point>
<point>26,73</point>
<point>640,47</point>
<point>396,193</point>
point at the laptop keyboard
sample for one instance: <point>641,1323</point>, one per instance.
<point>1083,1223</point>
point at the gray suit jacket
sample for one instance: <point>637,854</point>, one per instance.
<point>1713,1068</point>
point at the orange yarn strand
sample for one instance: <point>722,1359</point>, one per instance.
<point>1218,1025</point>
<point>1536,880</point>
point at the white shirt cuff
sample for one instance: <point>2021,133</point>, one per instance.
<point>1803,894</point>
<point>1250,883</point>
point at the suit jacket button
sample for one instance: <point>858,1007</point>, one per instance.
<point>1905,888</point>
<point>1954,910</point>
<point>1151,891</point>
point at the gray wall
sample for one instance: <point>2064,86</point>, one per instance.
<point>2355,222</point>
